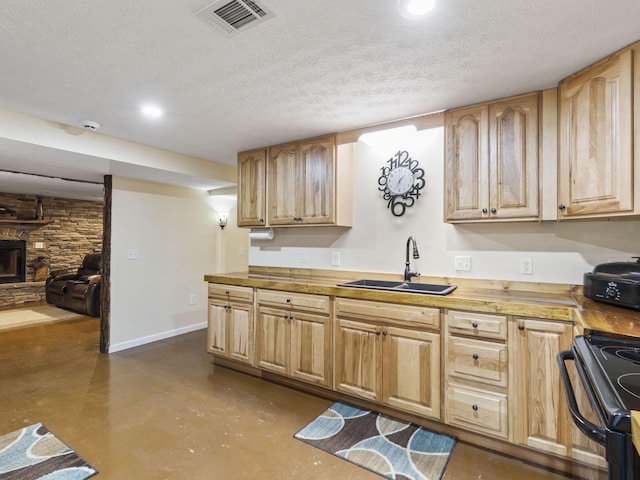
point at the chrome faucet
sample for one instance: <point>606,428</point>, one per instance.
<point>408,273</point>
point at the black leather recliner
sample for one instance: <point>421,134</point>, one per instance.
<point>77,290</point>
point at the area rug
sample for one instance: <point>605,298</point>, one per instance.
<point>34,452</point>
<point>22,317</point>
<point>381,444</point>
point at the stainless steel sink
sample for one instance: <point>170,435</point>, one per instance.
<point>409,287</point>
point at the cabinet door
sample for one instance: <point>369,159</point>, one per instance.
<point>467,163</point>
<point>311,348</point>
<point>315,202</point>
<point>513,157</point>
<point>240,333</point>
<point>358,357</point>
<point>272,340</point>
<point>411,372</point>
<point>542,419</point>
<point>252,188</point>
<point>217,328</point>
<point>596,139</point>
<point>282,180</point>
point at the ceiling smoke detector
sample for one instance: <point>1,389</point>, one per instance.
<point>233,15</point>
<point>90,125</point>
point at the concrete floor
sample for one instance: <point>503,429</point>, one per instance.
<point>162,411</point>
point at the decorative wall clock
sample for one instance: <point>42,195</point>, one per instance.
<point>400,182</point>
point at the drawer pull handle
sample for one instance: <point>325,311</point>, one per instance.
<point>226,292</point>
<point>474,324</point>
<point>475,356</point>
<point>288,300</point>
<point>475,407</point>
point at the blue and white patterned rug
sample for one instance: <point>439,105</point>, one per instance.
<point>384,445</point>
<point>34,452</point>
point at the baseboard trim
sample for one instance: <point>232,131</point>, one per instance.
<point>136,342</point>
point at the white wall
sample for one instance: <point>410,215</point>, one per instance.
<point>175,233</point>
<point>561,252</point>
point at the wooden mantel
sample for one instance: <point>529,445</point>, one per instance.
<point>35,223</point>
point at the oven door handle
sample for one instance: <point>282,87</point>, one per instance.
<point>591,430</point>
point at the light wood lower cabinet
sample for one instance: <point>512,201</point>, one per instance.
<point>293,335</point>
<point>231,322</point>
<point>542,416</point>
<point>379,360</point>
<point>477,372</point>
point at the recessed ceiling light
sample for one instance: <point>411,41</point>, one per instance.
<point>151,111</point>
<point>416,8</point>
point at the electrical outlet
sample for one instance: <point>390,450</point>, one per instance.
<point>526,266</point>
<point>38,245</point>
<point>463,264</point>
<point>192,299</point>
<point>132,254</point>
<point>303,256</point>
<point>335,259</point>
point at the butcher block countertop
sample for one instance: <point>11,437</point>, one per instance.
<point>635,429</point>
<point>550,301</point>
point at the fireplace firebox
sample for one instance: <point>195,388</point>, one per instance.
<point>12,261</point>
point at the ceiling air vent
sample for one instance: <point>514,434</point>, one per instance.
<point>234,15</point>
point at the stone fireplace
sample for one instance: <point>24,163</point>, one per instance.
<point>13,260</point>
<point>70,230</point>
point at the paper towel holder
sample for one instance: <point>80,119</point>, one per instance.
<point>261,234</point>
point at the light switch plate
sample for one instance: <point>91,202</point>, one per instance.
<point>462,263</point>
<point>335,259</point>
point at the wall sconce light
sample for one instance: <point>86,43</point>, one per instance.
<point>222,219</point>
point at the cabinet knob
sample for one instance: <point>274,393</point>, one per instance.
<point>288,300</point>
<point>475,407</point>
<point>561,207</point>
<point>475,356</point>
<point>493,210</point>
<point>378,332</point>
<point>520,327</point>
<point>484,210</point>
<point>384,332</point>
<point>474,324</point>
<point>290,317</point>
<point>286,317</point>
<point>262,220</point>
<point>226,292</point>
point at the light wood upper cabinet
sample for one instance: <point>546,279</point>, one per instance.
<point>542,419</point>
<point>596,138</point>
<point>301,182</point>
<point>307,182</point>
<point>491,161</point>
<point>252,188</point>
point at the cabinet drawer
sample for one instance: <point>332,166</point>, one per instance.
<point>300,301</point>
<point>477,324</point>
<point>387,312</point>
<point>231,292</point>
<point>477,360</point>
<point>476,409</point>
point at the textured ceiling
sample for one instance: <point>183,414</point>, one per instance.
<point>316,67</point>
